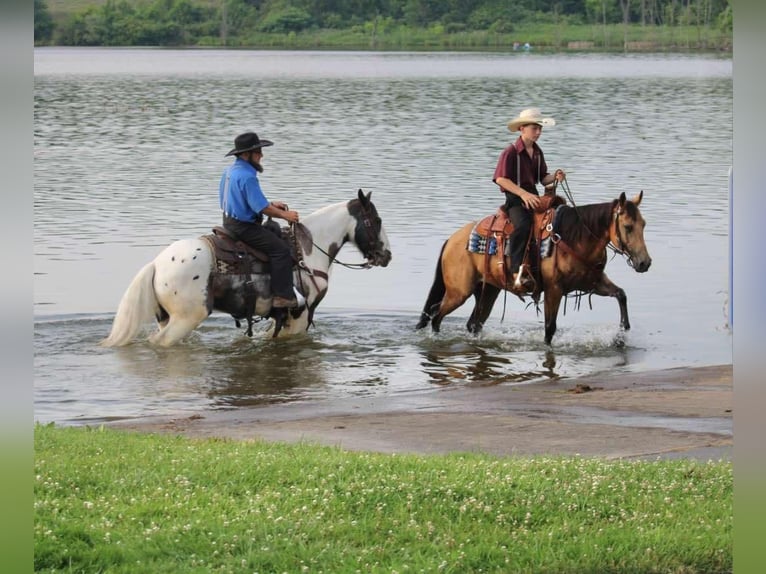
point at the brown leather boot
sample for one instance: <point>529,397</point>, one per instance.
<point>283,302</point>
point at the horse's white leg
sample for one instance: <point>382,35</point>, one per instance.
<point>137,307</point>
<point>176,328</point>
<point>293,325</point>
<point>181,282</point>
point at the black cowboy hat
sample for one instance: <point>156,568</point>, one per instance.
<point>246,142</point>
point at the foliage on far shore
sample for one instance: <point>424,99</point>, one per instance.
<point>388,24</point>
<point>109,501</point>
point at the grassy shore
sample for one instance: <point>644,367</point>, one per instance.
<point>541,38</point>
<point>110,501</point>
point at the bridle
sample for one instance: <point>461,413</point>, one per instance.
<point>369,228</point>
<point>371,235</point>
<point>619,248</point>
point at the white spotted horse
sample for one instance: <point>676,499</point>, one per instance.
<point>576,239</point>
<point>190,278</point>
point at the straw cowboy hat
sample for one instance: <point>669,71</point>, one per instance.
<point>530,116</point>
<point>248,141</point>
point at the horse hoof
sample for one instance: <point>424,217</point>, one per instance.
<point>619,340</point>
<point>424,320</point>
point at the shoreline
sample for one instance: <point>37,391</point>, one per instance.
<point>683,412</point>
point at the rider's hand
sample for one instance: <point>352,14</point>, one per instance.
<point>559,175</point>
<point>530,200</point>
<point>291,216</point>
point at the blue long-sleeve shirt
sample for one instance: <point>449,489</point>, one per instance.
<point>239,193</point>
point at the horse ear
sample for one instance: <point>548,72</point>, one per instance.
<point>637,199</point>
<point>365,199</point>
<point>621,201</point>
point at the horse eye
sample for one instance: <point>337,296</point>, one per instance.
<point>628,229</point>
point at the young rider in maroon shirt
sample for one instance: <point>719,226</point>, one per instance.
<point>520,167</point>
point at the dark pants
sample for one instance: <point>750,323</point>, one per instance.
<point>521,218</point>
<point>260,238</point>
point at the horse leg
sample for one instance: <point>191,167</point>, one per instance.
<point>459,279</point>
<point>435,295</point>
<point>552,301</point>
<point>454,281</point>
<point>485,296</point>
<point>181,289</point>
<point>178,327</point>
<point>606,288</point>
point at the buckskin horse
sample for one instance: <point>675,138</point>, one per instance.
<point>579,237</point>
<point>190,278</point>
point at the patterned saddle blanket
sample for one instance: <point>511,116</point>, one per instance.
<point>491,234</point>
<point>234,257</point>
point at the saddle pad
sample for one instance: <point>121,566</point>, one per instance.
<point>229,247</point>
<point>546,241</point>
<point>234,257</point>
<point>477,243</point>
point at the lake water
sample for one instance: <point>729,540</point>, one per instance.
<point>129,145</point>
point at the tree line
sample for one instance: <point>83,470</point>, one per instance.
<point>258,22</point>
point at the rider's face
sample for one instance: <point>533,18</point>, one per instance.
<point>531,132</point>
<point>254,158</point>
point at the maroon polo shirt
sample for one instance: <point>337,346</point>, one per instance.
<point>524,171</point>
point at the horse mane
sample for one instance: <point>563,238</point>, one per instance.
<point>577,224</point>
<point>304,237</point>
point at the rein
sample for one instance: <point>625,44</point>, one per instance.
<point>364,265</point>
<point>367,222</point>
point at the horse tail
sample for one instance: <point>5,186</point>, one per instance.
<point>435,295</point>
<point>137,307</point>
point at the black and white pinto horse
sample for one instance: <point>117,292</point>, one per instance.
<point>181,287</point>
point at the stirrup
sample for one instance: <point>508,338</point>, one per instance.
<point>299,296</point>
<point>523,282</point>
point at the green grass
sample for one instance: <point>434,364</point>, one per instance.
<point>542,38</point>
<point>109,501</point>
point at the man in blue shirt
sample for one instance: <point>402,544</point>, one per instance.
<point>244,205</point>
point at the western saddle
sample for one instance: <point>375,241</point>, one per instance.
<point>499,227</point>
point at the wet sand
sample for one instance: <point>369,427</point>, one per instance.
<point>683,412</point>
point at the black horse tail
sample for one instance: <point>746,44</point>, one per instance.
<point>436,294</point>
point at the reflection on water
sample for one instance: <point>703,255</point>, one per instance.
<point>239,373</point>
<point>129,148</point>
<point>349,355</point>
<point>471,364</point>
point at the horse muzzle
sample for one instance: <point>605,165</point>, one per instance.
<point>642,265</point>
<point>380,258</point>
